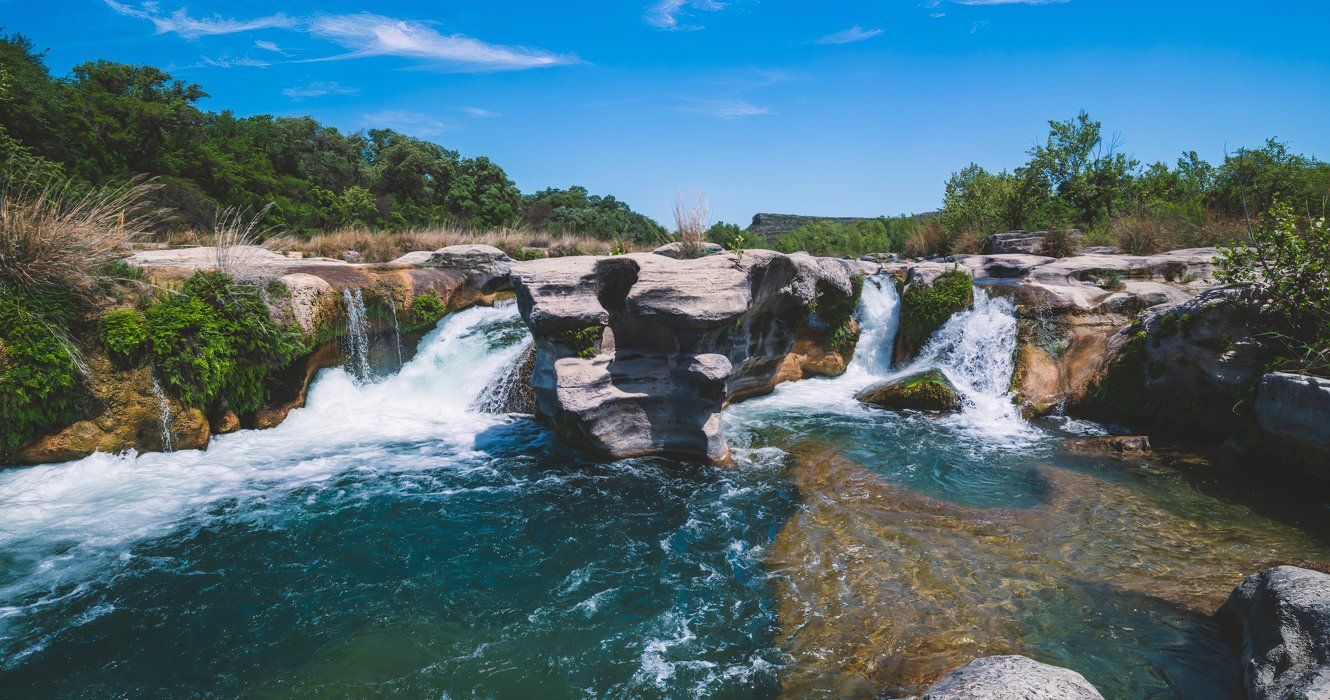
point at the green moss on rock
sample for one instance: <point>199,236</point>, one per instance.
<point>40,384</point>
<point>926,307</point>
<point>929,390</point>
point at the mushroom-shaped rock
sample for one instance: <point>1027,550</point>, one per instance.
<point>929,390</point>
<point>1284,613</point>
<point>1011,678</point>
<point>485,266</point>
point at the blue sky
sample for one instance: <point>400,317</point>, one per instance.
<point>832,108</point>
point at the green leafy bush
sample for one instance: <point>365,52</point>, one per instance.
<point>427,309</point>
<point>924,308</point>
<point>583,340</point>
<point>123,333</point>
<point>39,367</point>
<point>215,340</point>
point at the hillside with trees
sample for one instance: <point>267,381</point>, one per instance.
<point>107,122</point>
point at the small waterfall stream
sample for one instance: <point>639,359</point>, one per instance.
<point>397,332</point>
<point>168,442</point>
<point>356,344</point>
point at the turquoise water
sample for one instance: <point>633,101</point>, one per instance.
<point>388,540</point>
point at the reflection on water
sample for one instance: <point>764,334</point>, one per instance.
<point>390,540</point>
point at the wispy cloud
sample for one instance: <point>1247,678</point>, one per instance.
<point>408,122</point>
<point>376,35</point>
<point>363,34</point>
<point>849,36</point>
<point>668,14</point>
<point>226,60</point>
<point>481,113</point>
<point>724,109</point>
<point>270,46</point>
<point>1010,2</point>
<point>179,22</point>
<point>319,89</point>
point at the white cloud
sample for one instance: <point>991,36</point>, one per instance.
<point>319,89</point>
<point>481,113</point>
<point>411,123</point>
<point>179,22</point>
<point>666,14</point>
<point>375,35</point>
<point>226,60</point>
<point>270,46</point>
<point>849,36</point>
<point>1010,2</point>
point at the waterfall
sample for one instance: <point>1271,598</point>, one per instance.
<point>168,443</point>
<point>72,518</point>
<point>356,345</point>
<point>976,349</point>
<point>397,331</point>
<point>510,390</point>
<point>878,316</point>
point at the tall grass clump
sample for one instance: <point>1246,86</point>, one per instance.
<point>692,217</point>
<point>58,238</point>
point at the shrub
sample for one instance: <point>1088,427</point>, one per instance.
<point>124,333</point>
<point>427,309</point>
<point>925,308</point>
<point>582,340</point>
<point>39,367</point>
<point>215,340</point>
<point>691,213</point>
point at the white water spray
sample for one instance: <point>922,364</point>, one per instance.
<point>61,523</point>
<point>356,345</point>
<point>168,443</point>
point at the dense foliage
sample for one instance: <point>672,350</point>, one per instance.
<point>124,333</point>
<point>1290,255</point>
<point>110,121</point>
<point>215,340</point>
<point>575,211</point>
<point>40,383</point>
<point>1078,178</point>
<point>926,307</point>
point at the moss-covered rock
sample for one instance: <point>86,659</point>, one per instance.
<point>929,390</point>
<point>925,307</point>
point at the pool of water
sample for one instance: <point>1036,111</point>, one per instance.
<point>389,540</point>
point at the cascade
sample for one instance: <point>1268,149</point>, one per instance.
<point>168,443</point>
<point>510,390</point>
<point>397,331</point>
<point>356,345</point>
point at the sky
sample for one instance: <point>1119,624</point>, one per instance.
<point>837,108</point>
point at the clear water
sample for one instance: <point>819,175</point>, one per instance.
<point>389,539</point>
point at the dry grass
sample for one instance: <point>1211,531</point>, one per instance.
<point>927,238</point>
<point>54,238</point>
<point>383,246</point>
<point>1143,233</point>
<point>692,218</point>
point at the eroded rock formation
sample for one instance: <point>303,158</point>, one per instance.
<point>637,354</point>
<point>1284,613</point>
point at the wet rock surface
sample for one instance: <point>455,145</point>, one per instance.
<point>1284,614</point>
<point>637,354</point>
<point>929,390</point>
<point>1295,407</point>
<point>1011,678</point>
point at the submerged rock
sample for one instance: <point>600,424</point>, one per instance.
<point>1284,613</point>
<point>1011,678</point>
<point>1119,445</point>
<point>929,390</point>
<point>637,354</point>
<point>1296,407</point>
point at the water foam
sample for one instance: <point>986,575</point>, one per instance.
<point>59,520</point>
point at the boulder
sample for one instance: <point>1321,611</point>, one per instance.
<point>1011,678</point>
<point>1296,407</point>
<point>1284,613</point>
<point>679,250</point>
<point>929,390</point>
<point>1119,445</point>
<point>637,354</point>
<point>485,267</point>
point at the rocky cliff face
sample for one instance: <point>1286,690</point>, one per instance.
<point>637,354</point>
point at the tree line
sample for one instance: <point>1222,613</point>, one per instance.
<point>109,121</point>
